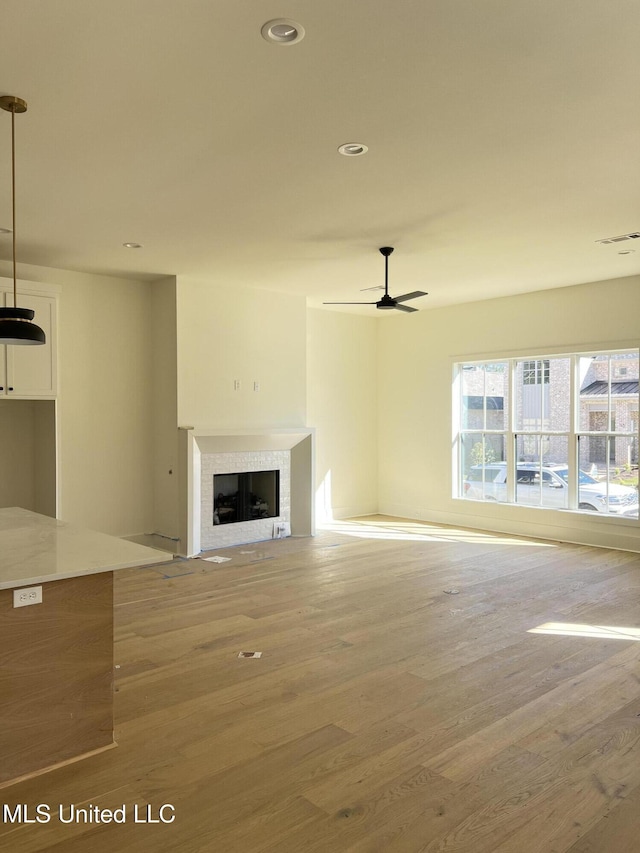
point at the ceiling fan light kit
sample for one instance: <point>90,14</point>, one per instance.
<point>15,323</point>
<point>387,302</point>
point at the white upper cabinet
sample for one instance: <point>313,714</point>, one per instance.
<point>30,372</point>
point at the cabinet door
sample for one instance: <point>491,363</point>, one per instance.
<point>31,370</point>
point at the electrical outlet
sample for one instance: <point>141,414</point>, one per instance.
<point>26,596</point>
<point>236,384</point>
<point>281,529</point>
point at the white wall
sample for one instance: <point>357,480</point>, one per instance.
<point>245,334</point>
<point>165,411</point>
<point>342,406</point>
<point>17,458</point>
<point>105,401</point>
<point>416,355</point>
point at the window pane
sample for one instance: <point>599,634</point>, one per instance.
<point>593,453</point>
<point>482,466</point>
<point>528,395</point>
<point>624,395</point>
<point>594,393</point>
<point>608,392</point>
<point>471,452</point>
<point>557,402</point>
<point>543,398</point>
<point>542,472</point>
<point>624,366</point>
<point>607,482</point>
<point>484,389</point>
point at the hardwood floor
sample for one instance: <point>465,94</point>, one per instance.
<point>400,704</point>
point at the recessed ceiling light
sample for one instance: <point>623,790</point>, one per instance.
<point>282,31</point>
<point>353,149</point>
<point>132,245</point>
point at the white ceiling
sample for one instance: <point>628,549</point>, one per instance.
<point>503,142</point>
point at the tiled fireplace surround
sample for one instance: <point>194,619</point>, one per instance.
<point>210,452</point>
<point>221,535</point>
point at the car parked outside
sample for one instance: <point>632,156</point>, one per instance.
<point>593,495</point>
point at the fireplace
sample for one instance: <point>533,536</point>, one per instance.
<point>277,496</point>
<point>246,496</point>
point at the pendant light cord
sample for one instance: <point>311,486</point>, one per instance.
<point>13,201</point>
<point>15,323</point>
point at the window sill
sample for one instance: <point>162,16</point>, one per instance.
<point>597,517</point>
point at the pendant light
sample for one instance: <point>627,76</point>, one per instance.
<point>15,323</point>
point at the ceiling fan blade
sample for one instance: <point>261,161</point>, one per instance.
<point>407,296</point>
<point>349,303</point>
<point>404,308</point>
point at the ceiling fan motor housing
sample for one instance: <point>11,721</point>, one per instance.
<point>386,302</point>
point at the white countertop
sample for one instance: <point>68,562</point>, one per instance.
<point>37,549</point>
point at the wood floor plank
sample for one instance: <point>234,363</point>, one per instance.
<point>617,830</point>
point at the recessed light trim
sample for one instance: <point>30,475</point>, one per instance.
<point>132,245</point>
<point>352,149</point>
<point>282,31</point>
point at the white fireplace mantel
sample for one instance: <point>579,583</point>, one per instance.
<point>197,442</point>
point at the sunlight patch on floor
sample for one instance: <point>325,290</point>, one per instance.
<point>602,632</point>
<point>412,531</point>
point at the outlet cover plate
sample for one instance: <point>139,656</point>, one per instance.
<point>26,596</point>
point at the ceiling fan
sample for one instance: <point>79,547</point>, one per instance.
<point>387,301</point>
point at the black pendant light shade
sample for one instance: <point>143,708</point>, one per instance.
<point>15,323</point>
<point>16,327</point>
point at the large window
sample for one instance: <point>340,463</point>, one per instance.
<point>557,432</point>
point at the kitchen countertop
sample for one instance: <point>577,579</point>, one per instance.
<point>37,549</point>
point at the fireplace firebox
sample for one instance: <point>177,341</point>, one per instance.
<point>246,496</point>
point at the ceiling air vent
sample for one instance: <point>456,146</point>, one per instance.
<point>635,235</point>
